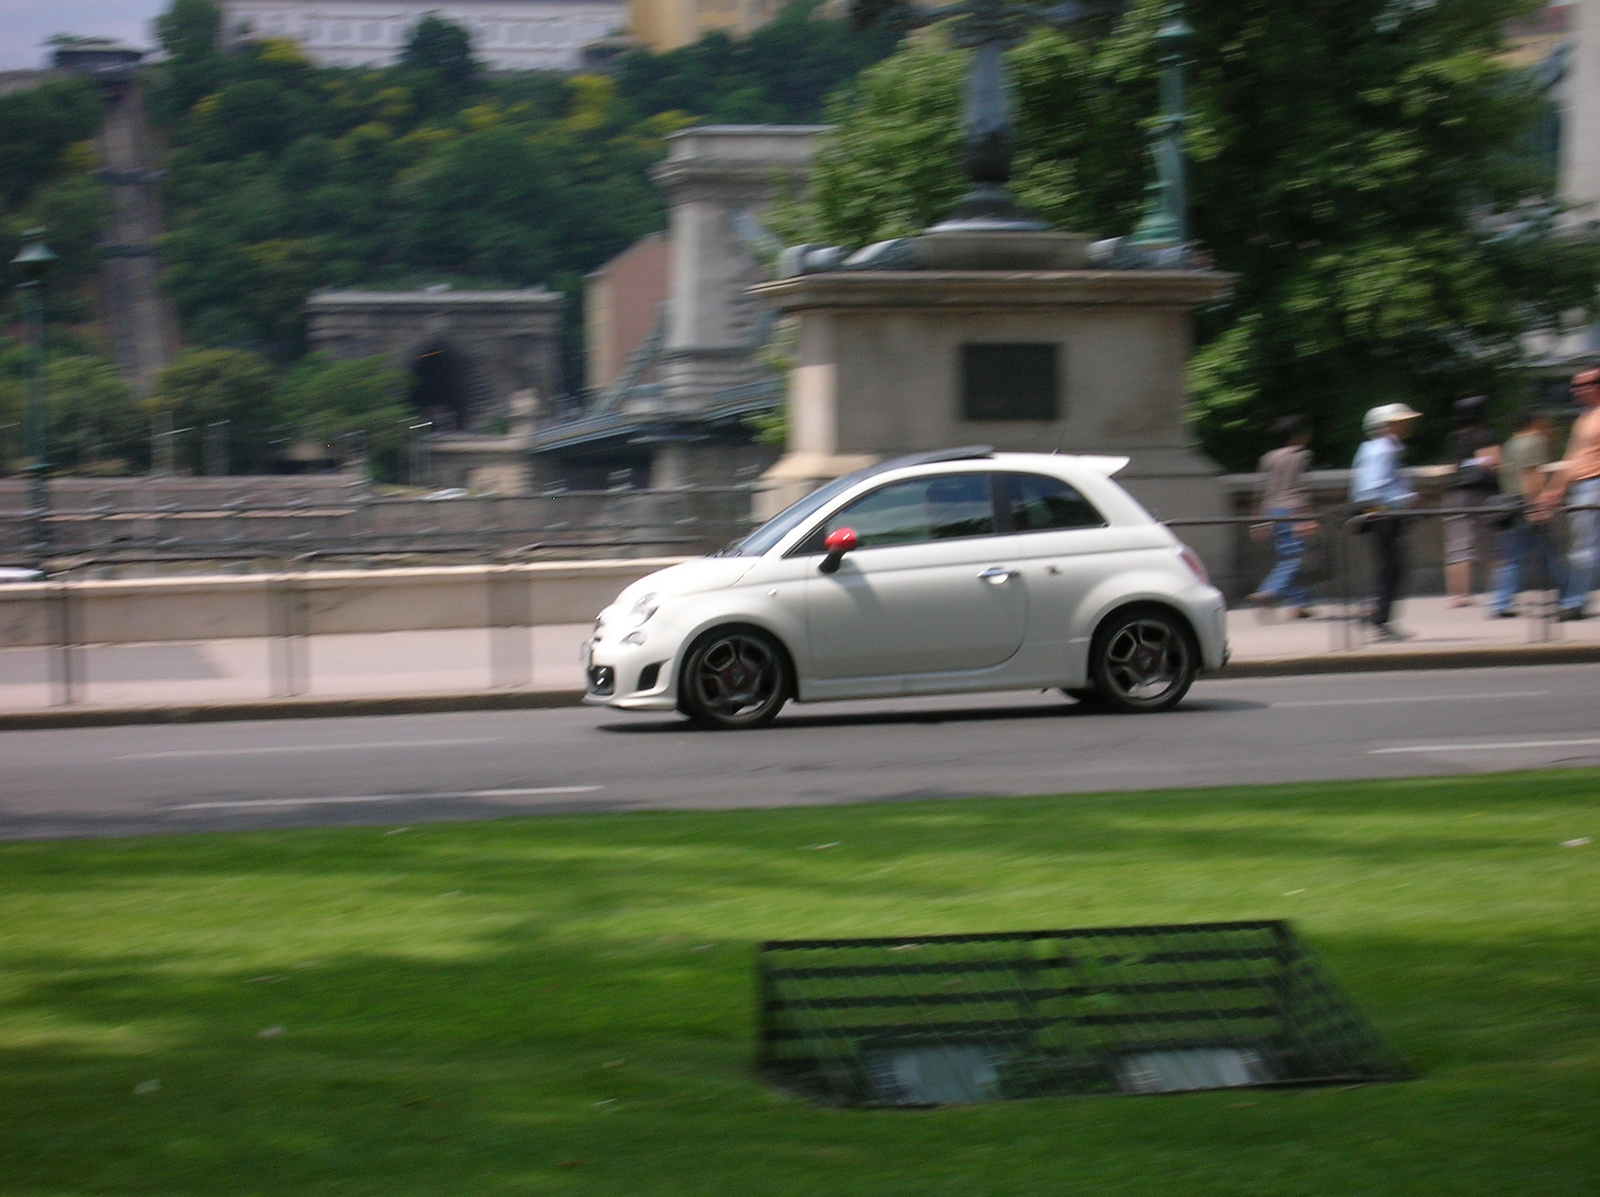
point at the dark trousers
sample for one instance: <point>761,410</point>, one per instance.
<point>1388,537</point>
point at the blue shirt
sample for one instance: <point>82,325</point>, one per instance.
<point>1375,480</point>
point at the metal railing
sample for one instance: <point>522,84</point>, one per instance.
<point>582,523</point>
<point>1342,584</point>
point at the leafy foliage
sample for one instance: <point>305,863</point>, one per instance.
<point>206,386</point>
<point>358,404</point>
<point>781,74</point>
<point>46,180</point>
<point>36,128</point>
<point>92,423</point>
<point>287,177</point>
<point>1354,164</point>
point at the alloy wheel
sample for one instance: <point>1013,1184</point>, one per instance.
<point>1146,663</point>
<point>735,679</point>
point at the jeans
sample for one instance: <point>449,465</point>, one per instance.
<point>1283,582</point>
<point>1583,553</point>
<point>1522,539</point>
<point>1388,536</point>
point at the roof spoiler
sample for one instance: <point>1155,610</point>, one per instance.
<point>1105,466</point>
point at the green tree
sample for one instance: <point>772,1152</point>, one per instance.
<point>439,63</point>
<point>1354,164</point>
<point>782,72</point>
<point>354,407</point>
<point>205,386</point>
<point>38,127</point>
<point>188,33</point>
<point>95,424</point>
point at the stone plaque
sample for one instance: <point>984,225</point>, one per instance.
<point>1010,382</point>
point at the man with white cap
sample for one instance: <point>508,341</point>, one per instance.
<point>1380,494</point>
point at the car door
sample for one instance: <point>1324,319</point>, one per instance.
<point>1064,549</point>
<point>928,589</point>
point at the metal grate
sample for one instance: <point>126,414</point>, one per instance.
<point>927,1020</point>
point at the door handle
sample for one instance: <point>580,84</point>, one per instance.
<point>996,574</point>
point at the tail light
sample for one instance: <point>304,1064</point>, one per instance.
<point>1192,560</point>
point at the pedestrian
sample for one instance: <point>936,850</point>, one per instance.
<point>1471,448</point>
<point>1286,514</point>
<point>1522,463</point>
<point>1577,478</point>
<point>1380,495</point>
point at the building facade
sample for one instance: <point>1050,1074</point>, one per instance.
<point>663,25</point>
<point>622,310</point>
<point>507,35</point>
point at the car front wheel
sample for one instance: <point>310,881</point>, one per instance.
<point>735,678</point>
<point>1143,660</point>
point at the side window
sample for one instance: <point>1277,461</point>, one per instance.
<point>1039,503</point>
<point>938,508</point>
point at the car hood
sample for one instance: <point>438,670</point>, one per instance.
<point>689,577</point>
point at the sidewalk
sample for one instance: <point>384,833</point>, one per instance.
<point>475,668</point>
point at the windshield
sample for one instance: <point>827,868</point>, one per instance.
<point>780,525</point>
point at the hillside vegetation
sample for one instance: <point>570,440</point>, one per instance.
<point>285,177</point>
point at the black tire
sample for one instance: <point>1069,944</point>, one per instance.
<point>1086,695</point>
<point>1143,660</point>
<point>734,677</point>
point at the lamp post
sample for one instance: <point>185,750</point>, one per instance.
<point>32,264</point>
<point>989,28</point>
<point>1166,212</point>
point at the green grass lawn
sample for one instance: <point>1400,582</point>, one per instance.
<point>563,1005</point>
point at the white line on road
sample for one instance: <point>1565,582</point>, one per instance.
<point>289,748</point>
<point>532,792</point>
<point>1501,746</point>
<point>1367,702</point>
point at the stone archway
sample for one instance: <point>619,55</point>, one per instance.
<point>442,389</point>
<point>487,344</point>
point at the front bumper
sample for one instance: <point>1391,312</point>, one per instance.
<point>630,677</point>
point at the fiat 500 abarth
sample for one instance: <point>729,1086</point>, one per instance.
<point>958,571</point>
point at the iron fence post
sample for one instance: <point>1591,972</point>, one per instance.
<point>288,662</point>
<point>510,612</point>
<point>63,662</point>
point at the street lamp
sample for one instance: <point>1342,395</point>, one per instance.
<point>32,264</point>
<point>1166,216</point>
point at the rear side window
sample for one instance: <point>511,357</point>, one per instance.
<point>942,507</point>
<point>1039,503</point>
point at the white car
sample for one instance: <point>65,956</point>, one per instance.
<point>943,573</point>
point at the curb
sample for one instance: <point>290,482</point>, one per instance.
<point>1383,662</point>
<point>527,700</point>
<point>289,708</point>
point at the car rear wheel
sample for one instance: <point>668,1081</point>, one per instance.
<point>1143,660</point>
<point>735,678</point>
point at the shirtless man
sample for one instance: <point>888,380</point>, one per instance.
<point>1577,479</point>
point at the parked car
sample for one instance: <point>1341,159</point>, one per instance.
<point>957,571</point>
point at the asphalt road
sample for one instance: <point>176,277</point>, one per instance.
<point>413,768</point>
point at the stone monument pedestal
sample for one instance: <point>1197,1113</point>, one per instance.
<point>1085,361</point>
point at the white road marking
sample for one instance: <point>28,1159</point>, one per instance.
<point>290,748</point>
<point>1500,746</point>
<point>245,803</point>
<point>1367,702</point>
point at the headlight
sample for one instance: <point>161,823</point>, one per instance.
<point>643,608</point>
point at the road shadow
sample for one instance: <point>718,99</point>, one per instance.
<point>804,718</point>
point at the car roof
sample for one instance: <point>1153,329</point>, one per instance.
<point>1102,464</point>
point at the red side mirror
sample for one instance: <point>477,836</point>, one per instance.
<point>840,540</point>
